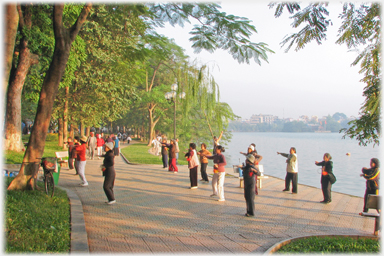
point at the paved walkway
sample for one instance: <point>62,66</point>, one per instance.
<point>156,212</point>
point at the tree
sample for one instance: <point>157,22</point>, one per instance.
<point>12,21</point>
<point>63,41</point>
<point>105,84</point>
<point>339,116</point>
<point>25,60</point>
<point>361,26</point>
<point>216,30</point>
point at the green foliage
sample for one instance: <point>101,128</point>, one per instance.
<point>35,222</point>
<point>215,29</point>
<point>104,85</point>
<point>330,245</point>
<point>118,64</point>
<point>295,126</point>
<point>361,26</point>
<point>313,15</point>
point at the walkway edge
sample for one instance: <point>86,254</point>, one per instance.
<point>79,237</point>
<point>274,248</point>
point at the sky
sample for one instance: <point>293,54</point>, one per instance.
<point>317,80</point>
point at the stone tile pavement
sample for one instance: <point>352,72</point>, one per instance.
<point>156,212</point>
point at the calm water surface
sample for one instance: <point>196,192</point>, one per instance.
<point>310,148</point>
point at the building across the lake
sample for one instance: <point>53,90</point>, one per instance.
<point>258,119</point>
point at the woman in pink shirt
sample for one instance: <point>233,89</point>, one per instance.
<point>218,172</point>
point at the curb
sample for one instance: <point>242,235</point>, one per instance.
<point>126,160</point>
<point>79,237</point>
<point>278,245</point>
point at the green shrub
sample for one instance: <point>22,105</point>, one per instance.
<point>332,245</point>
<point>36,222</point>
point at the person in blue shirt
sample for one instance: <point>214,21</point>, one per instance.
<point>116,149</point>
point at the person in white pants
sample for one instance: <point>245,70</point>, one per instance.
<point>81,160</point>
<point>219,172</point>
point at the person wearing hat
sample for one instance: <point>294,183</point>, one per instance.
<point>81,160</point>
<point>292,170</point>
<point>249,173</point>
<point>92,144</point>
<point>109,172</point>
<point>76,142</point>
<point>252,151</point>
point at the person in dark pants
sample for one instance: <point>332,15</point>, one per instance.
<point>164,153</point>
<point>292,170</point>
<point>326,185</point>
<point>372,176</point>
<point>249,173</point>
<point>193,164</point>
<point>71,145</point>
<point>76,141</point>
<point>204,162</point>
<point>172,156</point>
<point>109,172</point>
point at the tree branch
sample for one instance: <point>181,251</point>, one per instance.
<point>153,76</point>
<point>80,20</point>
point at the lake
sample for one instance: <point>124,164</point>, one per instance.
<point>310,148</point>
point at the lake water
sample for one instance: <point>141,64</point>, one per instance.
<point>310,148</point>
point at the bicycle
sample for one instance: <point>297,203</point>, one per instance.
<point>49,166</point>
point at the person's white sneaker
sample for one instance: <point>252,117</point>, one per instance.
<point>84,184</point>
<point>221,200</point>
<point>111,202</point>
<point>193,187</point>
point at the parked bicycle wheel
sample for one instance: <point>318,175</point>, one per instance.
<point>49,184</point>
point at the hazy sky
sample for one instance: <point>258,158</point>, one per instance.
<point>317,80</point>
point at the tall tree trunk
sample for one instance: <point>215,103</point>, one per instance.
<point>65,118</point>
<point>13,130</point>
<point>88,131</point>
<point>12,22</point>
<point>82,128</point>
<point>60,131</point>
<point>72,131</point>
<point>63,41</point>
<point>152,123</point>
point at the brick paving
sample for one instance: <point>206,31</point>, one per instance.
<point>156,212</point>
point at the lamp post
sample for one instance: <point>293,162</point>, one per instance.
<point>172,97</point>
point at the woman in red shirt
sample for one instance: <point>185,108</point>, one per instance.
<point>81,160</point>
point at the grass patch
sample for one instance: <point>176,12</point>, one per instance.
<point>35,222</point>
<point>51,146</point>
<point>137,153</point>
<point>331,245</point>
